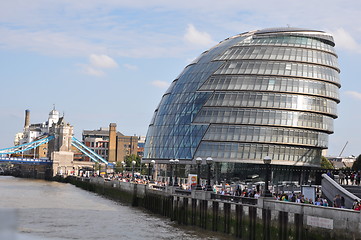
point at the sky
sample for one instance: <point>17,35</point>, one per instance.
<point>103,61</point>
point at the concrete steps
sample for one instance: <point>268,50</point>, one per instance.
<point>356,190</point>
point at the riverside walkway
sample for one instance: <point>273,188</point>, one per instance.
<point>244,218</point>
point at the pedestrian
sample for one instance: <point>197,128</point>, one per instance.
<point>358,177</point>
<point>352,178</point>
<point>358,206</point>
<point>325,202</point>
<point>337,201</point>
<point>347,177</point>
<point>318,202</point>
<point>354,204</point>
<point>342,178</point>
<point>342,202</point>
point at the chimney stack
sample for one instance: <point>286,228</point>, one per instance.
<point>27,118</point>
<point>112,142</point>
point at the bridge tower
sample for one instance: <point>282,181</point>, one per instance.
<point>60,149</point>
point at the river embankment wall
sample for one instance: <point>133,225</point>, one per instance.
<point>242,218</point>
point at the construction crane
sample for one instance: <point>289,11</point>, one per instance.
<point>343,149</point>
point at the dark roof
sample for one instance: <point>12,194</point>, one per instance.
<point>99,133</point>
<point>291,31</point>
<point>286,29</point>
<point>337,165</point>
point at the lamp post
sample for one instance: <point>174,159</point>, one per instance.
<point>199,162</point>
<point>171,162</point>
<point>133,164</point>
<point>153,165</point>
<point>209,162</point>
<point>267,161</point>
<point>176,163</point>
<point>149,171</point>
<point>123,164</point>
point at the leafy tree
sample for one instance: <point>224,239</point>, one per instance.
<point>96,166</point>
<point>118,167</point>
<point>357,164</point>
<point>138,165</point>
<point>325,163</point>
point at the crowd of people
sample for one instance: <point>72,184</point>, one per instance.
<point>300,198</point>
<point>225,189</point>
<point>346,178</point>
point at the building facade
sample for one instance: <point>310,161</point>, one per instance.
<point>110,144</point>
<point>36,131</point>
<point>32,132</point>
<point>270,92</point>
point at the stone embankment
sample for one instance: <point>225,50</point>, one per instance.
<point>243,218</point>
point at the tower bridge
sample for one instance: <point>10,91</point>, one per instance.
<point>50,153</point>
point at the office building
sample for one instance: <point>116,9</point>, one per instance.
<point>270,92</point>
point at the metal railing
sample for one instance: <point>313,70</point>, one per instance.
<point>158,187</point>
<point>236,199</point>
<point>183,192</point>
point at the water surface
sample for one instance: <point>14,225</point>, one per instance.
<point>43,210</point>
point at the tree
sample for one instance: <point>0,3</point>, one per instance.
<point>118,167</point>
<point>325,163</point>
<point>357,164</point>
<point>138,165</point>
<point>96,166</point>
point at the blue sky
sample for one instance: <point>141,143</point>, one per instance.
<point>102,61</point>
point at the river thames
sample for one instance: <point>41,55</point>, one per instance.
<point>43,210</point>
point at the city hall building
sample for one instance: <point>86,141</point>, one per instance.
<point>270,92</point>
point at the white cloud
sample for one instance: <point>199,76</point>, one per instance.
<point>344,40</point>
<point>102,61</point>
<point>97,62</point>
<point>68,27</point>
<point>47,42</point>
<point>160,84</point>
<point>89,70</point>
<point>196,37</point>
<point>130,66</point>
<point>354,94</point>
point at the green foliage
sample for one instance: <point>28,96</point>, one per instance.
<point>357,164</point>
<point>96,166</point>
<point>138,167</point>
<point>325,163</point>
<point>118,167</point>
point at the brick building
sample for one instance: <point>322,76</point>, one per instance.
<point>110,144</point>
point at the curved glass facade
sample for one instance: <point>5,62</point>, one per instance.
<point>271,92</point>
<point>268,84</point>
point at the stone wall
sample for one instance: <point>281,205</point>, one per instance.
<point>259,219</point>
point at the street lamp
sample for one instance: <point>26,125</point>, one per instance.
<point>153,165</point>
<point>267,161</point>
<point>176,163</point>
<point>209,162</point>
<point>123,164</point>
<point>171,162</point>
<point>199,162</point>
<point>133,164</point>
<point>149,171</point>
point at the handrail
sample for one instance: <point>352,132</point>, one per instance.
<point>330,188</point>
<point>158,187</point>
<point>182,191</point>
<point>237,199</point>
